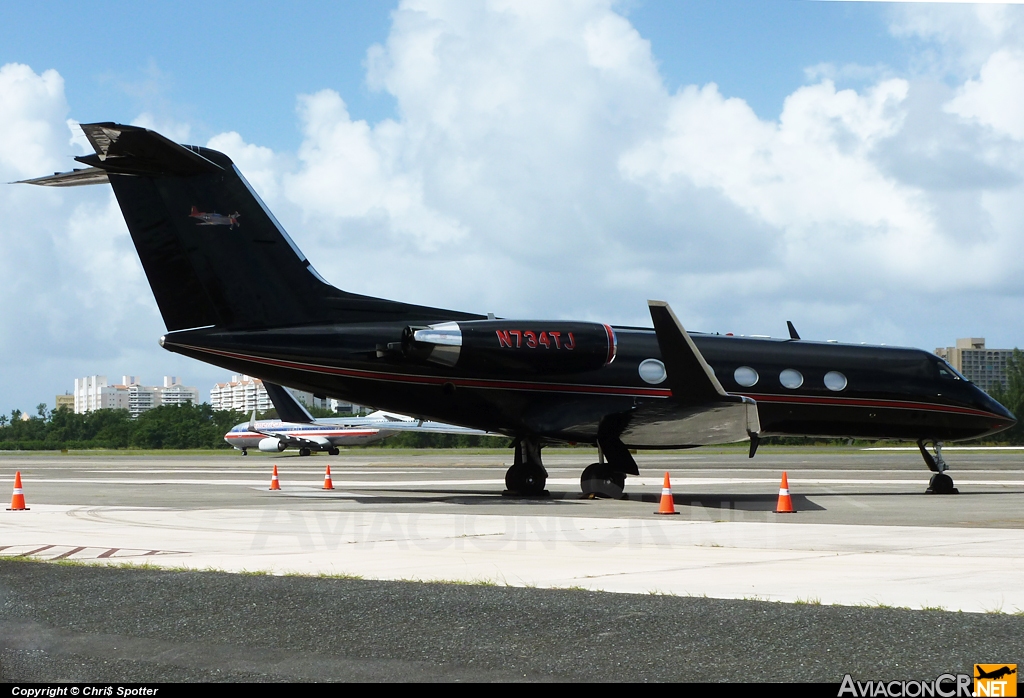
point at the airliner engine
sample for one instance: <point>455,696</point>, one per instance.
<point>271,445</point>
<point>548,347</point>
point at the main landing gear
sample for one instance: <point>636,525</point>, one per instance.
<point>245,451</point>
<point>941,483</point>
<point>527,475</point>
<point>608,479</point>
<point>304,451</point>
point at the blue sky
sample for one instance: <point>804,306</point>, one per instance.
<point>239,65</point>
<point>854,167</point>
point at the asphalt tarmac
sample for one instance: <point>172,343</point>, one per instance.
<point>87,624</point>
<point>830,486</point>
<point>725,591</point>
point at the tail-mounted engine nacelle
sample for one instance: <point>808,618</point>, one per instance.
<point>548,347</point>
<point>271,445</point>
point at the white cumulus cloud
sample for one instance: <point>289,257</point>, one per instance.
<point>538,166</point>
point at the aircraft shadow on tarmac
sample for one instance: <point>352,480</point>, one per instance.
<point>742,502</point>
<point>739,502</point>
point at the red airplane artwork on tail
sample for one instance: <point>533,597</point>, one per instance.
<point>215,218</point>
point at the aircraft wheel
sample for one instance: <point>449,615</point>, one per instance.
<point>245,452</point>
<point>525,479</point>
<point>304,451</point>
<point>601,481</point>
<point>333,451</point>
<point>941,484</point>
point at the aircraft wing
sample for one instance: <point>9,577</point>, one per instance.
<point>429,428</point>
<point>291,439</point>
<point>285,438</point>
<point>699,412</point>
<point>393,422</point>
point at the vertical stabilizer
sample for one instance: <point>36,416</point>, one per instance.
<point>213,252</point>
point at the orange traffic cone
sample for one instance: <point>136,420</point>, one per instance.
<point>785,505</point>
<point>18,499</point>
<point>328,485</point>
<point>274,484</point>
<point>668,505</point>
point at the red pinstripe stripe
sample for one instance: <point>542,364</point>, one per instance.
<point>587,389</point>
<point>250,435</point>
<point>440,380</point>
<point>863,402</point>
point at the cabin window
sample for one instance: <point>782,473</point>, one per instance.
<point>791,378</point>
<point>652,371</point>
<point>834,380</point>
<point>745,376</point>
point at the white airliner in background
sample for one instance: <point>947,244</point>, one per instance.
<point>297,428</point>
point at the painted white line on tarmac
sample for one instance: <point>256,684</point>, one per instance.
<point>946,448</point>
<point>493,482</point>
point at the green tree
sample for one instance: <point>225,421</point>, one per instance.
<point>1012,396</point>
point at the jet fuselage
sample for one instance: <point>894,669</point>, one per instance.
<point>877,392</point>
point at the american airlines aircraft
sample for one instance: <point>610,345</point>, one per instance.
<point>297,428</point>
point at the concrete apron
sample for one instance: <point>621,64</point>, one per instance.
<point>975,570</point>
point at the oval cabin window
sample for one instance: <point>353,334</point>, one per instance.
<point>652,371</point>
<point>791,378</point>
<point>745,376</point>
<point>834,380</point>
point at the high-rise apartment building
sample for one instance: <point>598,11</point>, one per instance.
<point>244,394</point>
<point>983,366</point>
<point>94,393</point>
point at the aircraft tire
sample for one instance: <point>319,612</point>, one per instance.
<point>525,479</point>
<point>333,451</point>
<point>600,480</point>
<point>941,484</point>
<point>304,451</point>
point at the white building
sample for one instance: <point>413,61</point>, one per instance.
<point>983,366</point>
<point>94,393</point>
<point>244,394</point>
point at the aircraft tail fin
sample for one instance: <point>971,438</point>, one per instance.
<point>288,408</point>
<point>213,252</point>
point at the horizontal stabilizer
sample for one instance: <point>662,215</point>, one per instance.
<point>74,178</point>
<point>288,408</point>
<point>134,150</point>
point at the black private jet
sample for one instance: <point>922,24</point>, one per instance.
<point>235,291</point>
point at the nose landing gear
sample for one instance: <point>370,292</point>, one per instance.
<point>941,483</point>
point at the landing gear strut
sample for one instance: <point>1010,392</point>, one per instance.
<point>940,482</point>
<point>527,475</point>
<point>603,479</point>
